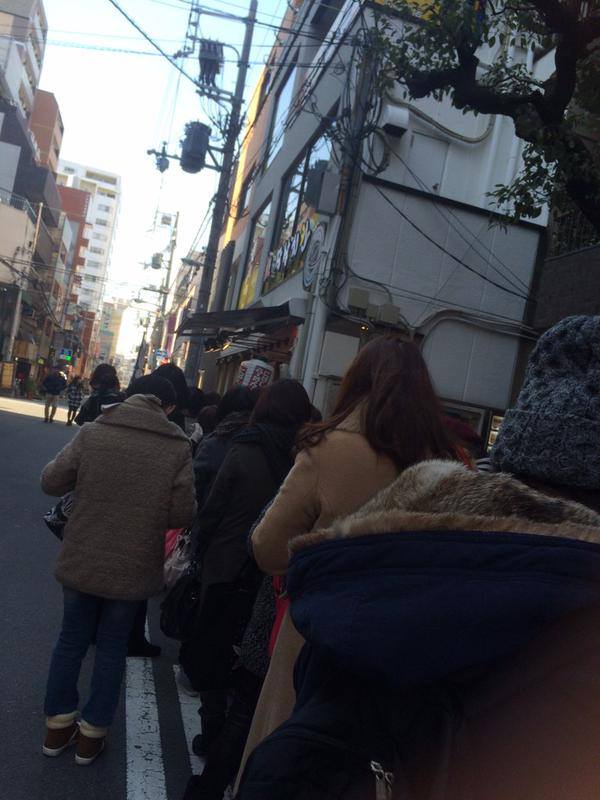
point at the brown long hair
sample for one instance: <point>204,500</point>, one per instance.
<point>401,415</point>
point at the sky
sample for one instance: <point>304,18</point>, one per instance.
<point>115,106</point>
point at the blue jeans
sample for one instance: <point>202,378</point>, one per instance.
<point>86,616</point>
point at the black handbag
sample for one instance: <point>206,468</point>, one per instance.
<point>179,610</point>
<point>211,651</point>
<point>57,517</point>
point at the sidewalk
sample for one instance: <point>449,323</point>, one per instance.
<point>32,408</point>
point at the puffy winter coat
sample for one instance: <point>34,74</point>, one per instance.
<point>54,383</point>
<point>453,649</point>
<point>131,471</point>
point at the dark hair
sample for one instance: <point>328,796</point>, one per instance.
<point>238,399</point>
<point>174,374</point>
<point>283,403</point>
<point>207,418</point>
<point>195,401</point>
<point>104,377</point>
<point>155,385</point>
<point>76,379</point>
<point>401,414</point>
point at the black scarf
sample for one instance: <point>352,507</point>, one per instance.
<point>276,443</point>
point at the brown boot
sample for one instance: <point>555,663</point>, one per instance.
<point>90,743</point>
<point>58,740</point>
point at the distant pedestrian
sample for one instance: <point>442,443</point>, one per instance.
<point>106,391</point>
<point>75,398</point>
<point>132,475</point>
<point>53,384</point>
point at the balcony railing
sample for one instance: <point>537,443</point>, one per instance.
<point>16,201</point>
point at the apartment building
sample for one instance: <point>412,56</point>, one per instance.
<point>104,189</point>
<point>47,126</point>
<point>110,327</point>
<point>323,250</point>
<point>22,45</point>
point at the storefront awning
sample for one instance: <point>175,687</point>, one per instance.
<point>248,319</point>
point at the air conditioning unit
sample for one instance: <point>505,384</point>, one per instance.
<point>395,120</point>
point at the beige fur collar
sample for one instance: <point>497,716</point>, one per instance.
<point>446,496</point>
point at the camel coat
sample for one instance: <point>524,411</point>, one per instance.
<point>131,471</point>
<point>328,481</point>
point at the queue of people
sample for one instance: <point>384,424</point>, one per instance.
<point>376,617</point>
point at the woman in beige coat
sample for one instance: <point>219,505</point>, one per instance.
<point>386,418</point>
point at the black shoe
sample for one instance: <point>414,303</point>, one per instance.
<point>201,743</point>
<point>143,649</point>
<point>200,746</point>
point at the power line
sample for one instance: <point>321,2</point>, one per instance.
<point>523,286</point>
<point>447,252</point>
<point>152,42</point>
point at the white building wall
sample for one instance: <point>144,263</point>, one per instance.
<point>439,174</point>
<point>105,190</point>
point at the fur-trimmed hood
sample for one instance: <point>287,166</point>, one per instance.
<point>446,569</point>
<point>446,496</point>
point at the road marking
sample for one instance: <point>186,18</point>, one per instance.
<point>145,768</point>
<point>191,723</point>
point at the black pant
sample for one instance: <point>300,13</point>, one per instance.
<point>138,632</point>
<point>225,753</point>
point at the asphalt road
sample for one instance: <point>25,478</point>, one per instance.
<point>147,754</point>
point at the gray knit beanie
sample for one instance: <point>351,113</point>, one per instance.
<point>553,432</point>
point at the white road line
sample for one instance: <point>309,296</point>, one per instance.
<point>145,768</point>
<point>191,723</point>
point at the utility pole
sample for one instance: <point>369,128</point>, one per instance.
<point>167,284</point>
<point>196,347</point>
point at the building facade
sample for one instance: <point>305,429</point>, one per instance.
<point>42,263</point>
<point>336,236</point>
<point>104,189</point>
<point>111,320</point>
<point>47,126</point>
<point>22,46</point>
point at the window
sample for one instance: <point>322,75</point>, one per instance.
<point>91,278</point>
<point>102,207</point>
<point>103,222</point>
<point>265,85</point>
<point>255,251</point>
<point>101,236</point>
<point>94,264</point>
<point>245,193</point>
<point>281,113</point>
<point>298,216</point>
<point>97,176</point>
<point>69,170</point>
<point>98,250</point>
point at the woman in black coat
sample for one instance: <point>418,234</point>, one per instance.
<point>106,391</point>
<point>254,468</point>
<point>233,413</point>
